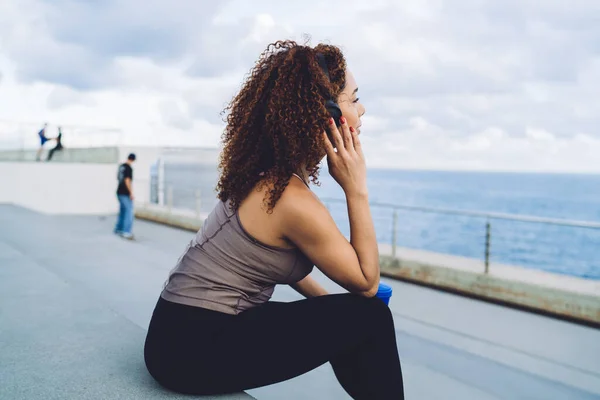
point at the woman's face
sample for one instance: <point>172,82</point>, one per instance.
<point>349,102</point>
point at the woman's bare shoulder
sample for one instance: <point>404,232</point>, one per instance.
<point>299,201</point>
<point>301,214</point>
<point>306,223</point>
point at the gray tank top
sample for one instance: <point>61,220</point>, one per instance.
<point>225,269</point>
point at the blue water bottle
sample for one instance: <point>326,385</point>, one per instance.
<point>384,293</point>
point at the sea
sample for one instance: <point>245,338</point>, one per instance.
<point>570,250</point>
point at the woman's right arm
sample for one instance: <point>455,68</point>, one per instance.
<point>353,264</point>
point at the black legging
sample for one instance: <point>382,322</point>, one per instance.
<point>58,147</point>
<point>198,351</point>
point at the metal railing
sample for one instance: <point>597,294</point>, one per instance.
<point>552,244</point>
<point>197,197</point>
<point>172,197</point>
<point>487,219</point>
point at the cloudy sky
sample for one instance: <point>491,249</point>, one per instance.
<point>448,84</point>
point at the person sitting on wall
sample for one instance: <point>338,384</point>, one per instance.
<point>58,146</point>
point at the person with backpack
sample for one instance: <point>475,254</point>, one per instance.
<point>125,195</point>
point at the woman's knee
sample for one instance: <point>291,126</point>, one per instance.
<point>368,308</point>
<point>379,309</point>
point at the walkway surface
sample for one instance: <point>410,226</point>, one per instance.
<point>75,301</point>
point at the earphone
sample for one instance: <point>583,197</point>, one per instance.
<point>332,107</point>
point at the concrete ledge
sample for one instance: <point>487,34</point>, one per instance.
<point>177,218</point>
<point>94,155</point>
<point>571,305</point>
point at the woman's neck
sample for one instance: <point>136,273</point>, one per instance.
<point>303,175</point>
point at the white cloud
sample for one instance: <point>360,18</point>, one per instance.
<point>63,96</point>
<point>448,84</point>
<point>174,114</point>
<point>427,146</point>
<point>539,134</point>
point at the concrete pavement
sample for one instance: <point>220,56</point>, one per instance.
<point>75,301</point>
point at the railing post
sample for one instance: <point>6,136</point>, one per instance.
<point>394,230</point>
<point>170,198</point>
<point>198,203</point>
<point>488,234</point>
<point>23,152</point>
<point>160,178</point>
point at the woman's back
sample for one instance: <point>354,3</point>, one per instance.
<point>226,269</point>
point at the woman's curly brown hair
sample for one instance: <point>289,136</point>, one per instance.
<point>275,123</point>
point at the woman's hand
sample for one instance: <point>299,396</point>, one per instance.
<point>347,164</point>
<point>307,223</point>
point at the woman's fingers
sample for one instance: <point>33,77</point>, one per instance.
<point>355,140</point>
<point>328,146</point>
<point>347,137</point>
<point>337,142</point>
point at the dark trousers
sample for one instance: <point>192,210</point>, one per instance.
<point>198,351</point>
<point>51,152</point>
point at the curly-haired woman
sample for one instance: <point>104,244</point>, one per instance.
<point>214,329</point>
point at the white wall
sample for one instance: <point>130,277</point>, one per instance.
<point>60,188</point>
<point>109,157</point>
<point>80,187</point>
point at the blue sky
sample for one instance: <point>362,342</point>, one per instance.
<point>448,84</point>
